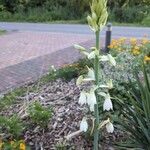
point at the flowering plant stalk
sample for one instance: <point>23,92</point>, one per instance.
<point>96,21</point>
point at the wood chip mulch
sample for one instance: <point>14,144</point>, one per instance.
<point>62,97</point>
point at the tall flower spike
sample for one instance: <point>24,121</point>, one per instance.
<point>99,15</point>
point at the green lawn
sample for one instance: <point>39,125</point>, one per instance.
<point>2,32</point>
<point>84,22</point>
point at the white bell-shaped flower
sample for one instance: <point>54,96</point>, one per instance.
<point>107,103</point>
<point>83,125</point>
<point>91,73</point>
<point>111,59</point>
<point>109,127</point>
<point>109,85</point>
<point>82,98</point>
<point>91,100</point>
<point>90,76</point>
<point>104,58</point>
<point>91,55</point>
<point>79,80</point>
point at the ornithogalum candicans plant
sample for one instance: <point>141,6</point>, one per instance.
<point>99,91</point>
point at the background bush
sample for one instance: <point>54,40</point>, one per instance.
<point>128,11</point>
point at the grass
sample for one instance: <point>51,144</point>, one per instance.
<point>129,24</point>
<point>82,21</point>
<point>2,32</point>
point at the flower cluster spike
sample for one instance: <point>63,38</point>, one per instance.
<point>96,21</point>
<point>99,15</point>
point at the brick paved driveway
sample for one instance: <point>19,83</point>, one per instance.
<point>25,55</point>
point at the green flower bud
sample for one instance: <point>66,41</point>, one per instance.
<point>99,15</point>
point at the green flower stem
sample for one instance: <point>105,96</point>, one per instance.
<point>96,111</point>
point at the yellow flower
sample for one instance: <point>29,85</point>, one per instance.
<point>133,41</point>
<point>135,51</point>
<point>122,40</point>
<point>110,46</point>
<point>137,48</point>
<point>146,59</point>
<point>145,41</point>
<point>22,146</point>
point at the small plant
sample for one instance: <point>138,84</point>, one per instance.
<point>39,114</point>
<point>136,115</point>
<point>13,145</point>
<point>61,145</point>
<point>12,125</point>
<point>9,98</point>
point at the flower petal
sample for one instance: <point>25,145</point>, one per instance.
<point>91,55</point>
<point>79,80</point>
<point>82,98</point>
<point>107,103</point>
<point>91,73</point>
<point>109,127</point>
<point>111,59</point>
<point>83,125</point>
<point>104,58</point>
<point>91,100</point>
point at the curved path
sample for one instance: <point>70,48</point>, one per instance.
<point>118,31</point>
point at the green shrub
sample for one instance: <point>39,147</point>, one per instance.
<point>146,20</point>
<point>134,14</point>
<point>135,120</point>
<point>39,114</point>
<point>49,10</point>
<point>68,72</point>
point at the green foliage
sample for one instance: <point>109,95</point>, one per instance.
<point>49,10</point>
<point>61,146</point>
<point>8,99</point>
<point>11,125</point>
<point>129,14</point>
<point>146,20</point>
<point>39,114</point>
<point>136,119</point>
<point>68,72</point>
<point>2,32</point>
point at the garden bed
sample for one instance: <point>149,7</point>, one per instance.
<point>42,114</point>
<point>62,98</point>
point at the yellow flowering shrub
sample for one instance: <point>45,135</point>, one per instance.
<point>138,48</point>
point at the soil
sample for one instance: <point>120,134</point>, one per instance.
<point>62,97</point>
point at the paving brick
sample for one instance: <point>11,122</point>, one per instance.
<point>26,56</point>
